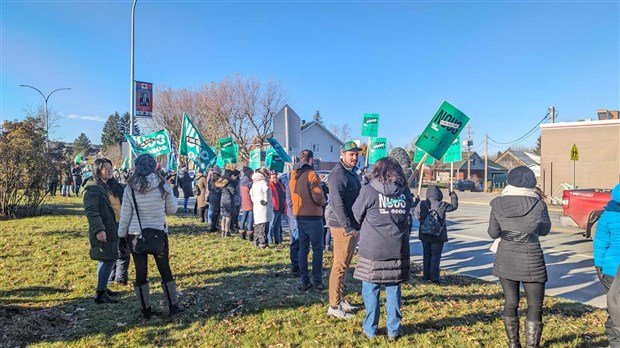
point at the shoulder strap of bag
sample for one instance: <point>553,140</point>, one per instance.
<point>135,205</point>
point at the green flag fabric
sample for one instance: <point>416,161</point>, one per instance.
<point>135,148</point>
<point>78,158</point>
<point>125,164</point>
<point>156,143</point>
<point>194,146</point>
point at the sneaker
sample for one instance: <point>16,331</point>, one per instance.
<point>347,306</point>
<point>395,337</point>
<point>370,337</point>
<point>339,313</point>
<point>305,287</point>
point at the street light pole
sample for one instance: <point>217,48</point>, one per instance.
<point>47,118</point>
<point>132,98</point>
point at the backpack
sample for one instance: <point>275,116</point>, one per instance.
<point>432,223</point>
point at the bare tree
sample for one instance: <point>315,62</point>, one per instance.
<point>342,131</point>
<point>38,113</point>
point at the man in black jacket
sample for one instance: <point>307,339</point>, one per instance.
<point>344,187</point>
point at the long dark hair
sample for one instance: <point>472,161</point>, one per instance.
<point>386,170</point>
<point>111,185</point>
<point>140,182</point>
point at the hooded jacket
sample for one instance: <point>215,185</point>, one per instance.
<point>201,183</point>
<point>434,200</point>
<point>244,188</point>
<point>185,182</point>
<point>382,210</point>
<point>101,217</point>
<point>229,190</point>
<point>153,208</point>
<point>344,187</point>
<point>519,221</point>
<point>607,238</point>
<point>278,196</point>
<point>306,193</point>
<point>215,193</point>
<point>260,192</point>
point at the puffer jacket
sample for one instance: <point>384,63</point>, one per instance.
<point>201,184</point>
<point>382,209</point>
<point>215,193</point>
<point>185,182</point>
<point>344,187</point>
<point>153,208</point>
<point>101,217</point>
<point>434,200</point>
<point>260,192</point>
<point>607,238</point>
<point>229,190</point>
<point>519,221</point>
<point>244,188</point>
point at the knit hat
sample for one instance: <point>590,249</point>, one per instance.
<point>258,176</point>
<point>145,164</point>
<point>217,170</point>
<point>522,176</point>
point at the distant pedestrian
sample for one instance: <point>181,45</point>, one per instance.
<point>607,259</point>
<point>201,197</point>
<point>519,217</point>
<point>278,199</point>
<point>153,201</point>
<point>292,228</point>
<point>308,202</point>
<point>77,179</point>
<point>215,197</point>
<point>432,244</point>
<point>344,187</point>
<point>66,180</point>
<point>246,226</point>
<point>262,206</point>
<point>185,183</point>
<point>172,180</point>
<point>228,185</point>
<point>382,209</point>
<point>102,204</point>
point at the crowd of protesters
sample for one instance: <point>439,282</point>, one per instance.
<point>370,213</point>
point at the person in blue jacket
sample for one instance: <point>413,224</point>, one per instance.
<point>607,255</point>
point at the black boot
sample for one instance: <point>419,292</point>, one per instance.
<point>143,294</point>
<point>112,293</point>
<point>533,332</point>
<point>103,297</point>
<point>170,289</point>
<point>511,324</point>
<point>243,234</point>
<point>251,236</point>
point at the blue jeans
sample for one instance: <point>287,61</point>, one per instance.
<point>294,252</point>
<point>275,228</point>
<point>103,274</point>
<point>185,200</point>
<point>247,216</point>
<point>310,234</point>
<point>370,293</point>
<point>430,260</point>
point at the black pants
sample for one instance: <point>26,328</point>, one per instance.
<point>612,331</point>
<point>534,292</point>
<point>260,234</point>
<point>203,213</point>
<point>141,262</point>
<point>52,188</point>
<point>120,271</point>
<point>430,260</point>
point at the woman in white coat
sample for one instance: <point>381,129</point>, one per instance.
<point>263,209</point>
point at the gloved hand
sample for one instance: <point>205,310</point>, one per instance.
<point>416,200</point>
<point>451,193</point>
<point>123,248</point>
<point>263,203</point>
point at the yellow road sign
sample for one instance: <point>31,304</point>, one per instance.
<point>574,153</point>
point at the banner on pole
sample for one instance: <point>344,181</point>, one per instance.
<point>279,150</point>
<point>194,146</point>
<point>135,148</point>
<point>444,127</point>
<point>370,125</point>
<point>125,164</point>
<point>228,150</point>
<point>156,143</point>
<point>255,159</point>
<point>144,99</point>
<point>377,149</point>
<point>172,156</point>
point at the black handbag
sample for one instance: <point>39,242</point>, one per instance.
<point>151,240</point>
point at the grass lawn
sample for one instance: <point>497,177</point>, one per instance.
<point>236,296</point>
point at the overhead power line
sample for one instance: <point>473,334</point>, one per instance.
<point>530,132</point>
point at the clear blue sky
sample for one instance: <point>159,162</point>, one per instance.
<point>503,63</point>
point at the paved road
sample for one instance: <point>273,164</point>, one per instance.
<point>567,253</point>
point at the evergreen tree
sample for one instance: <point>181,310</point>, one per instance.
<point>81,145</point>
<point>536,149</point>
<point>111,134</point>
<point>124,125</point>
<point>317,117</point>
<point>401,155</point>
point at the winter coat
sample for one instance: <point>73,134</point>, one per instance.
<point>66,177</point>
<point>344,187</point>
<point>77,175</point>
<point>383,213</point>
<point>260,192</point>
<point>244,188</point>
<point>519,221</point>
<point>172,180</point>
<point>101,217</point>
<point>607,238</point>
<point>434,200</point>
<point>201,184</point>
<point>278,196</point>
<point>229,190</point>
<point>306,193</point>
<point>215,193</point>
<point>185,182</point>
<point>152,206</point>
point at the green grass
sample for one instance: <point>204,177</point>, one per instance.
<point>236,296</point>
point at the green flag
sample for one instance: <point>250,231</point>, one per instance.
<point>125,164</point>
<point>255,159</point>
<point>194,146</point>
<point>155,144</point>
<point>135,148</point>
<point>78,158</point>
<point>377,149</point>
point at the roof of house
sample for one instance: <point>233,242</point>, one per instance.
<point>493,166</point>
<point>307,125</point>
<point>527,158</point>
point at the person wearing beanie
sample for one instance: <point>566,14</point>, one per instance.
<point>263,209</point>
<point>606,261</point>
<point>153,201</point>
<point>246,226</point>
<point>518,218</point>
<point>214,197</point>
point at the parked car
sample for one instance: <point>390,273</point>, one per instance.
<point>465,185</point>
<point>583,207</point>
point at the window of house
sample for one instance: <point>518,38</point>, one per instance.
<point>315,148</point>
<point>331,148</point>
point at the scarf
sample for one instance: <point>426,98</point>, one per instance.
<point>510,190</point>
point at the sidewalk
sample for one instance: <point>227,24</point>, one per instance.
<point>481,198</point>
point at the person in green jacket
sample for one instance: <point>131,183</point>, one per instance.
<point>102,203</point>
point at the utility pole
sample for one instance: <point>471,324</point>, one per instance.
<point>468,151</point>
<point>486,162</point>
<point>132,89</point>
<point>552,113</point>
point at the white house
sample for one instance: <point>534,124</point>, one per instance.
<point>324,144</point>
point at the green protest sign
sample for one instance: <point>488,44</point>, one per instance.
<point>454,152</point>
<point>370,125</point>
<point>227,150</point>
<point>444,127</point>
<point>255,159</point>
<point>274,162</point>
<point>194,146</point>
<point>279,150</point>
<point>155,144</point>
<point>377,149</point>
<point>419,154</point>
